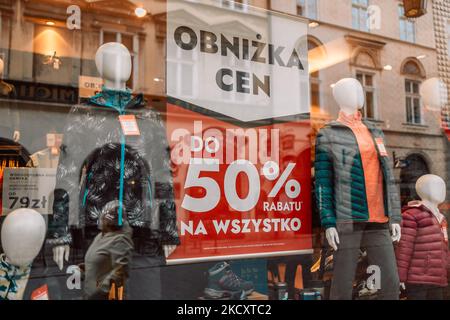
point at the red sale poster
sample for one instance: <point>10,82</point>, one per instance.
<point>239,132</point>
<point>240,192</point>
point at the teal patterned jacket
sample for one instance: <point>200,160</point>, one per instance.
<point>339,177</point>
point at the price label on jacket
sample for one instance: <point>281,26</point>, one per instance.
<point>28,188</point>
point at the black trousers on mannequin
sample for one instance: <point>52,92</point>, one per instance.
<point>376,239</point>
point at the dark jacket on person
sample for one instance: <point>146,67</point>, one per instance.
<point>99,164</point>
<point>422,253</point>
<point>339,173</point>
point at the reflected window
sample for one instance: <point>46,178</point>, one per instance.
<point>360,14</point>
<point>367,81</point>
<point>407,27</point>
<point>235,5</point>
<point>413,102</point>
<point>307,8</point>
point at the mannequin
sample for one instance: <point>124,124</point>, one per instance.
<point>7,89</point>
<point>104,160</point>
<point>349,95</point>
<point>22,236</point>
<point>356,194</point>
<point>113,62</point>
<point>423,223</point>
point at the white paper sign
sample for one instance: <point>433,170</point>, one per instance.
<point>28,188</point>
<point>246,63</point>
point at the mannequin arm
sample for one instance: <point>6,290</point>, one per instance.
<point>332,237</point>
<point>61,253</point>
<point>16,136</point>
<point>396,232</point>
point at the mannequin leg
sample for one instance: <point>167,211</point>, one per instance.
<point>345,260</point>
<point>380,252</point>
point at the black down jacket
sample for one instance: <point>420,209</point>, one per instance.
<point>99,164</point>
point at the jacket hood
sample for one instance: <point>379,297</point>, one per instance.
<point>122,99</point>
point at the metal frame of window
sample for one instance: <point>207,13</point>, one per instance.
<point>368,88</point>
<point>362,7</point>
<point>413,98</point>
<point>404,23</point>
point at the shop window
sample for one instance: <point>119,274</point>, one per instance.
<point>235,5</point>
<point>413,102</point>
<point>130,41</point>
<point>407,27</point>
<point>307,8</point>
<point>367,81</point>
<point>360,14</point>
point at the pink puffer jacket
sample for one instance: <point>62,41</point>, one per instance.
<point>422,253</point>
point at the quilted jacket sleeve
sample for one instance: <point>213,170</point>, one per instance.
<point>405,247</point>
<point>323,167</point>
<point>163,184</point>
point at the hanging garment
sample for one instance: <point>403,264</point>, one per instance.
<point>99,163</point>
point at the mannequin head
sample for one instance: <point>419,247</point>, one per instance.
<point>349,95</point>
<point>22,234</point>
<point>431,188</point>
<point>113,61</point>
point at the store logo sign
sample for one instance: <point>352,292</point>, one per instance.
<point>74,280</point>
<point>73,22</point>
<point>374,280</point>
<point>248,67</point>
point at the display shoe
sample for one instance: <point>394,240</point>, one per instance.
<point>223,282</point>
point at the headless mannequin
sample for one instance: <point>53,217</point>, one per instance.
<point>7,89</point>
<point>432,191</point>
<point>113,62</point>
<point>349,94</point>
<point>22,236</point>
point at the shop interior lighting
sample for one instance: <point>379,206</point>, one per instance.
<point>387,67</point>
<point>313,24</point>
<point>140,12</point>
<point>50,23</point>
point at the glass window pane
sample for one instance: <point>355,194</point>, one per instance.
<point>369,80</point>
<point>410,32</point>
<point>408,86</point>
<point>363,20</point>
<point>417,115</point>
<point>408,110</point>
<point>415,87</point>
<point>359,77</point>
<point>403,30</point>
<point>370,105</point>
<point>355,18</point>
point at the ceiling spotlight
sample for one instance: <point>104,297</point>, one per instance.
<point>313,24</point>
<point>332,85</point>
<point>387,67</point>
<point>422,56</point>
<point>140,12</point>
<point>50,23</point>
